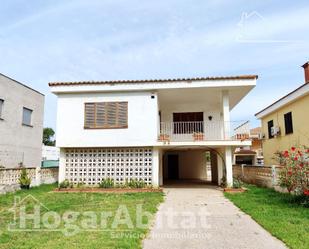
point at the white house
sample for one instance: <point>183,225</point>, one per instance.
<point>150,130</point>
<point>21,124</point>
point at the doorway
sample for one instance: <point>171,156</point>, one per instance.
<point>173,167</point>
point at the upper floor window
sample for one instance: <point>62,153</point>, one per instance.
<point>270,125</point>
<point>27,113</point>
<point>1,107</point>
<point>106,115</point>
<point>288,123</point>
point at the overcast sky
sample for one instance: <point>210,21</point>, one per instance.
<point>49,40</point>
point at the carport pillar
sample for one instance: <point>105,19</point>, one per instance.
<point>226,114</point>
<point>155,167</point>
<point>61,176</point>
<point>229,166</point>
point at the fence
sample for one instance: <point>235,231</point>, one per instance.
<point>10,177</point>
<point>265,176</point>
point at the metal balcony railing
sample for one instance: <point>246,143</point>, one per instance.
<point>202,131</point>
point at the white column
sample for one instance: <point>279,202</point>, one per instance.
<point>229,166</point>
<point>226,113</point>
<point>220,169</point>
<point>61,166</point>
<point>155,167</point>
<point>161,169</point>
<point>38,176</point>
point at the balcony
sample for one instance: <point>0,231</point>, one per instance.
<point>203,131</point>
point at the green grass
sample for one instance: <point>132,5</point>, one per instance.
<point>79,202</point>
<point>278,213</point>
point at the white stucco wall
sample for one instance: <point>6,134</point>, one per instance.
<point>19,143</point>
<point>192,164</point>
<point>142,121</point>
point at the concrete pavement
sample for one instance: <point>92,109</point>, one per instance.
<point>199,216</point>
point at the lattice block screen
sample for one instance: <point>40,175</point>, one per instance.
<point>90,166</point>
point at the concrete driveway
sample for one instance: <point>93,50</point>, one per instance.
<point>199,216</point>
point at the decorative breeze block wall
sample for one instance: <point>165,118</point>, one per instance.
<point>90,166</point>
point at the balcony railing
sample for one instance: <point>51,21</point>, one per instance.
<point>202,131</point>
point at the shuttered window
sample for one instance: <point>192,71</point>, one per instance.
<point>288,123</point>
<point>106,115</point>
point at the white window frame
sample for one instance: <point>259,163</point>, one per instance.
<point>31,111</point>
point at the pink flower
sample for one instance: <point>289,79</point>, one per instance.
<point>293,148</point>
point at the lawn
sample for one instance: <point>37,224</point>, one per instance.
<point>100,235</point>
<point>276,212</point>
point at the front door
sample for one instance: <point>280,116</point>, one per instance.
<point>173,167</point>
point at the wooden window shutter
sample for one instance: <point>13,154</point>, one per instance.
<point>90,115</point>
<point>106,115</point>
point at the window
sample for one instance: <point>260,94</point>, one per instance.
<point>1,107</point>
<point>27,113</point>
<point>106,115</point>
<point>270,125</point>
<point>288,123</point>
<point>188,122</point>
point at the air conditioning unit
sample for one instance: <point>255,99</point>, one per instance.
<point>261,136</point>
<point>275,131</point>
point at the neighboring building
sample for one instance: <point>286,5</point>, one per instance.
<point>250,155</point>
<point>285,123</point>
<point>21,124</point>
<point>150,130</point>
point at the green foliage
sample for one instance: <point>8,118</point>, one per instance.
<point>65,184</point>
<point>294,174</point>
<point>135,184</point>
<point>279,213</point>
<point>48,134</point>
<point>77,202</point>
<point>237,183</point>
<point>24,179</point>
<point>107,183</point>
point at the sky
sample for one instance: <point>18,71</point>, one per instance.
<point>44,41</point>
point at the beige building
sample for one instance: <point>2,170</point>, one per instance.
<point>21,124</point>
<point>285,123</point>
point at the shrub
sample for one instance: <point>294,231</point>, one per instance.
<point>237,183</point>
<point>24,179</point>
<point>295,170</point>
<point>65,184</point>
<point>135,183</point>
<point>107,183</point>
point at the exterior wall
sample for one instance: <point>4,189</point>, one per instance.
<point>90,166</point>
<point>300,135</point>
<point>20,143</point>
<point>142,121</point>
<point>192,164</point>
<point>265,176</point>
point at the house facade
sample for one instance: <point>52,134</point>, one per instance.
<point>21,124</point>
<point>285,123</point>
<point>150,130</point>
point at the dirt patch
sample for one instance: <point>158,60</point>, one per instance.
<point>108,190</point>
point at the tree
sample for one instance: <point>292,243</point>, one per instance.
<point>48,134</point>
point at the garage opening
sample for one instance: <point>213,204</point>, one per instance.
<point>190,165</point>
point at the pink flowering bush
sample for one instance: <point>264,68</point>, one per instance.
<point>295,170</point>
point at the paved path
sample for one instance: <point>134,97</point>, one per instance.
<point>218,223</point>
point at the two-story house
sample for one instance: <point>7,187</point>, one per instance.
<point>21,124</point>
<point>285,123</point>
<point>150,130</point>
